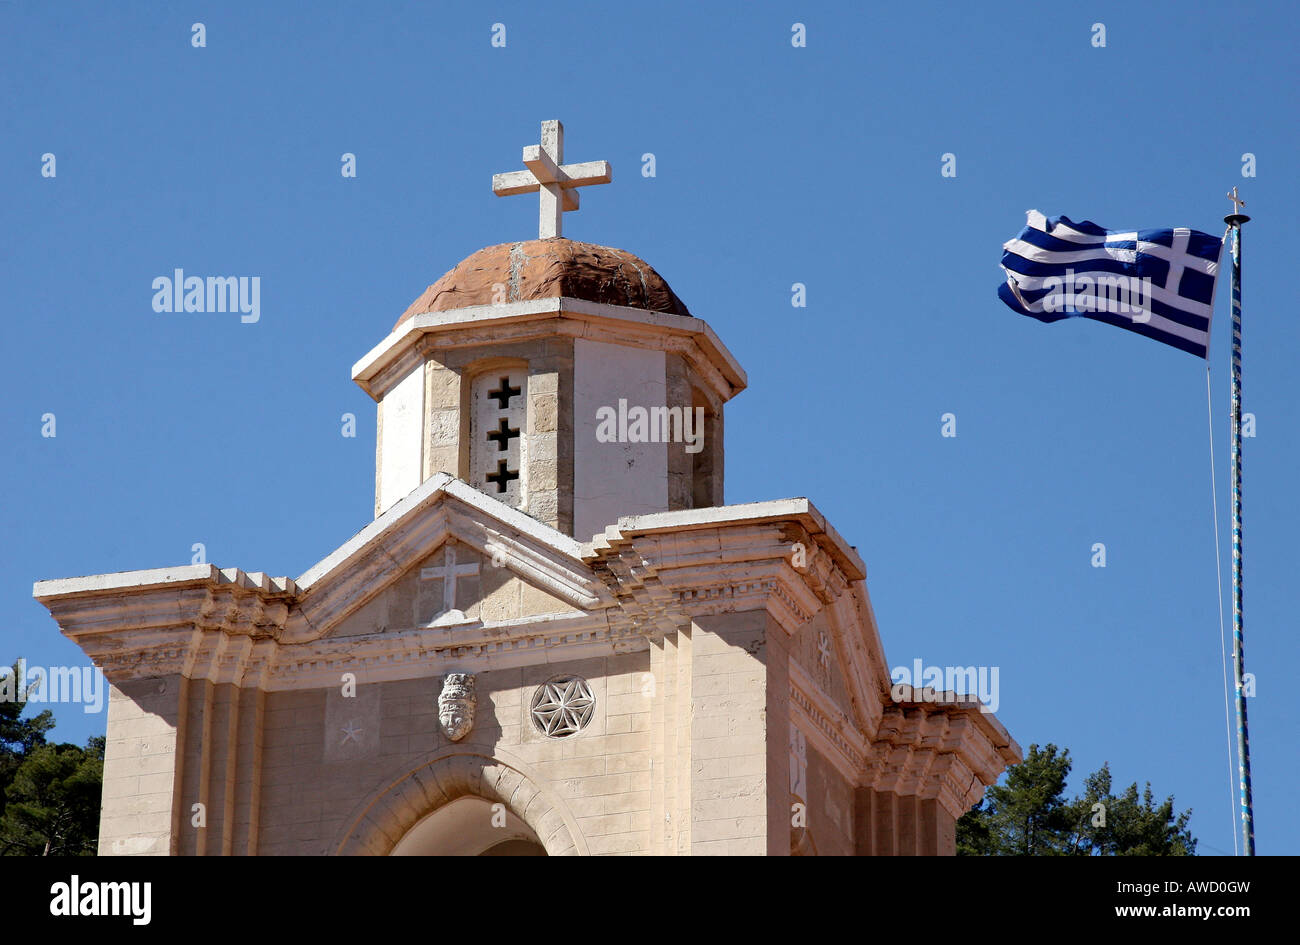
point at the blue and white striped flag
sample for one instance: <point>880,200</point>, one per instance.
<point>1158,283</point>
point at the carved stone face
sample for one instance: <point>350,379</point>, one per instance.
<point>456,705</point>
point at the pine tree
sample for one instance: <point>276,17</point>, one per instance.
<point>53,802</point>
<point>1025,817</point>
<point>1028,816</point>
<point>18,736</point>
<point>49,794</point>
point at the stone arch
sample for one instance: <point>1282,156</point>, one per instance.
<point>391,813</point>
<point>469,826</point>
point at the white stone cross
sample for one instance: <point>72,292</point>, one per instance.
<point>449,571</point>
<point>554,180</point>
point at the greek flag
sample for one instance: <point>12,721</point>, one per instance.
<point>1158,283</point>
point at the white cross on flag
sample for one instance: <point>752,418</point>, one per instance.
<point>1158,283</point>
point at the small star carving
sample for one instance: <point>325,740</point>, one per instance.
<point>350,733</point>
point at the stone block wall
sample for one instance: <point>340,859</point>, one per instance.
<point>141,764</point>
<point>315,788</point>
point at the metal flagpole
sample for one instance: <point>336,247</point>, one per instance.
<point>1234,221</point>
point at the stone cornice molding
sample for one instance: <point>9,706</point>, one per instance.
<point>416,337</point>
<point>153,622</point>
<point>643,578</point>
<point>215,655</point>
<point>947,749</point>
<point>476,647</point>
<point>700,562</point>
<point>831,731</point>
<point>861,655</point>
<point>229,626</point>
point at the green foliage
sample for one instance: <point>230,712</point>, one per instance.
<point>18,736</point>
<point>1024,817</point>
<point>1029,816</point>
<point>49,794</point>
<point>52,804</point>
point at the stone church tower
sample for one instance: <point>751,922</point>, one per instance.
<point>554,638</point>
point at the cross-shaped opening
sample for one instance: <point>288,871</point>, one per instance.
<point>503,393</point>
<point>502,476</point>
<point>502,436</point>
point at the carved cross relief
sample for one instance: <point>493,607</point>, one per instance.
<point>438,609</point>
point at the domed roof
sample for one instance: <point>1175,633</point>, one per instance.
<point>544,269</point>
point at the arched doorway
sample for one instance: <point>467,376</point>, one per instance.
<point>470,826</point>
<point>420,814</point>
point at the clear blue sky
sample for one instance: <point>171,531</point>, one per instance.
<point>775,165</point>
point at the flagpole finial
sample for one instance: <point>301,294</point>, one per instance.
<point>1236,218</point>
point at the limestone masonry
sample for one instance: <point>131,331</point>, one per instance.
<point>544,643</point>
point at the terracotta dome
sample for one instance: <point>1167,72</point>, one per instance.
<point>544,269</point>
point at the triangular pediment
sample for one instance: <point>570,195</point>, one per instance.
<point>447,555</point>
